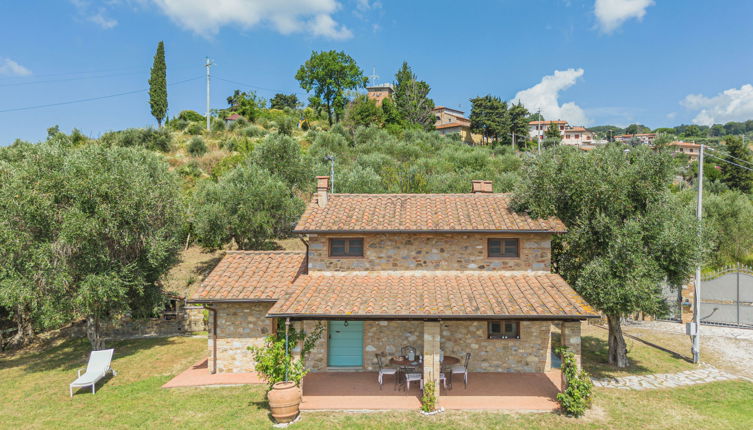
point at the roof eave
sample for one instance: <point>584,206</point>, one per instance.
<point>429,316</point>
<point>310,231</point>
<point>209,300</point>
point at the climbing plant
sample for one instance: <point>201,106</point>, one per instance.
<point>577,396</point>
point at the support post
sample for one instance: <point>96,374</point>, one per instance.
<point>570,334</point>
<point>208,65</point>
<point>432,365</point>
<point>287,348</point>
<point>697,302</point>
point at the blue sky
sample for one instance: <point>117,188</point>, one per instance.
<point>592,62</point>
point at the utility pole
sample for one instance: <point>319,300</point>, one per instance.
<point>540,136</point>
<point>695,327</point>
<point>208,65</point>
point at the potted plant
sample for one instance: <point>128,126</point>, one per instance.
<point>284,373</point>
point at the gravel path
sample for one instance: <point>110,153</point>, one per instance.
<point>665,380</point>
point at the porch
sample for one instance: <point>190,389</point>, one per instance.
<point>488,391</point>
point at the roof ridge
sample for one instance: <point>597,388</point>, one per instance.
<point>419,194</point>
<point>504,273</point>
<point>263,252</point>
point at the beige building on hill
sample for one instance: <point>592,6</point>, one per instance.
<point>452,121</point>
<point>571,135</point>
<point>692,150</point>
<point>379,92</point>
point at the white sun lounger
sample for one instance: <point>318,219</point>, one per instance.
<point>99,365</point>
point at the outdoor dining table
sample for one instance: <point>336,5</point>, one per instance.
<point>404,362</point>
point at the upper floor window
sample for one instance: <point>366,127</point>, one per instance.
<point>503,329</point>
<point>508,248</point>
<point>346,247</point>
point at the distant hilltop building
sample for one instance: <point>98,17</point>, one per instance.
<point>453,121</point>
<point>571,135</point>
<point>690,149</point>
<point>379,92</point>
<point>642,138</point>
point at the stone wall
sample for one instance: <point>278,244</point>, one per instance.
<point>571,338</point>
<point>239,325</point>
<point>432,252</point>
<point>530,353</point>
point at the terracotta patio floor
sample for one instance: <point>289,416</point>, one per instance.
<point>198,375</point>
<point>360,391</point>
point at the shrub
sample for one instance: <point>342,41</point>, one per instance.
<point>190,170</point>
<point>238,124</point>
<point>195,128</point>
<point>177,124</point>
<point>272,362</point>
<point>429,398</point>
<point>253,131</point>
<point>197,147</point>
<point>217,124</point>
<point>576,398</point>
<point>190,116</point>
<point>285,126</point>
<point>148,138</point>
<point>282,156</point>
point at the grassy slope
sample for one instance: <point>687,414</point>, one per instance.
<point>34,394</point>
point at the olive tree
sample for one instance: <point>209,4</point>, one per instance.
<point>627,233</point>
<point>86,233</point>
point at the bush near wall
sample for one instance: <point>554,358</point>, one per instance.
<point>577,393</point>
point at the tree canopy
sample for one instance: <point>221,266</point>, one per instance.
<point>329,74</point>
<point>85,233</point>
<point>489,117</point>
<point>412,98</point>
<point>627,232</point>
<point>246,104</point>
<point>282,101</point>
<point>735,173</point>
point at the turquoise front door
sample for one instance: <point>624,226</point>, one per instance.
<point>345,344</point>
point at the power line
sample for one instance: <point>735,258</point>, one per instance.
<point>89,99</point>
<point>730,156</point>
<point>729,162</point>
<point>19,84</point>
<point>253,86</point>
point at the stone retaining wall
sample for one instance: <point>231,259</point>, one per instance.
<point>432,252</point>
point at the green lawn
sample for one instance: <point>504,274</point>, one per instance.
<point>34,394</point>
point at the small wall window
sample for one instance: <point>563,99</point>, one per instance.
<point>350,247</point>
<point>503,329</point>
<point>507,248</point>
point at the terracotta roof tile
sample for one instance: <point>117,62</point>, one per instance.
<point>420,213</point>
<point>417,294</point>
<point>251,276</point>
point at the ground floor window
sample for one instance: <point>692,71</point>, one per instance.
<point>503,329</point>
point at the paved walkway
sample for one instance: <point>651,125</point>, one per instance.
<point>198,375</point>
<point>665,380</point>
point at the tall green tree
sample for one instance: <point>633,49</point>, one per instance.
<point>627,232</point>
<point>733,175</point>
<point>329,74</point>
<point>489,117</point>
<point>246,104</point>
<point>158,85</point>
<point>363,112</point>
<point>412,98</point>
<point>86,233</point>
<point>637,129</point>
<point>519,122</point>
<point>248,206</point>
<point>282,101</point>
<point>553,131</point>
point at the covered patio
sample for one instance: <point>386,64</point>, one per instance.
<point>487,391</point>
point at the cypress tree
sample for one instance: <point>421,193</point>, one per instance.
<point>158,85</point>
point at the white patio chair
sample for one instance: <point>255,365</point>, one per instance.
<point>462,368</point>
<point>384,371</point>
<point>99,365</point>
<point>414,377</point>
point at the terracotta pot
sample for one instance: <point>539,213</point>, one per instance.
<point>284,399</point>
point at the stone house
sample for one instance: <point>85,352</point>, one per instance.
<point>445,273</point>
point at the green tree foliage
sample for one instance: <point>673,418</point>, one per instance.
<point>329,74</point>
<point>553,131</point>
<point>158,85</point>
<point>248,206</point>
<point>282,101</point>
<point>519,122</point>
<point>363,112</point>
<point>738,178</point>
<point>728,222</point>
<point>196,147</point>
<point>412,98</point>
<point>282,157</point>
<point>147,138</point>
<point>578,395</point>
<point>536,116</point>
<point>489,117</point>
<point>85,233</point>
<point>246,104</point>
<point>637,129</point>
<point>627,233</point>
<point>191,116</point>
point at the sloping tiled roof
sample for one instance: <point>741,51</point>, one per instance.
<point>420,213</point>
<point>251,276</point>
<point>434,294</point>
<point>450,125</point>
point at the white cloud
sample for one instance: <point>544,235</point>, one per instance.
<point>611,14</point>
<point>545,96</point>
<point>96,15</point>
<point>286,16</point>
<point>731,105</point>
<point>9,67</point>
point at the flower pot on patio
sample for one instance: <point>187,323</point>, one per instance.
<point>284,399</point>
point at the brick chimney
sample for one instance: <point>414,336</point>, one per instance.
<point>322,190</point>
<point>481,187</point>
